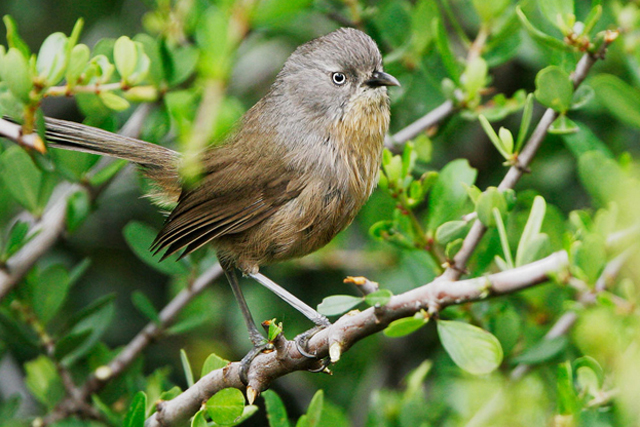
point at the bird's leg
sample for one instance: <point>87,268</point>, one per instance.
<point>320,320</point>
<point>259,342</point>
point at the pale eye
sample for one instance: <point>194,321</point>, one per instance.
<point>338,78</point>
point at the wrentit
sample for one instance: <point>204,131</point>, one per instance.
<point>296,170</point>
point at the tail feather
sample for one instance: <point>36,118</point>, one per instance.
<point>158,163</point>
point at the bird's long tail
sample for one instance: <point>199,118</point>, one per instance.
<point>158,163</point>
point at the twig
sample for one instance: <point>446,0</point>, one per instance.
<point>52,223</point>
<point>432,118</point>
<point>514,174</point>
<point>350,329</point>
<point>568,319</point>
<point>101,376</point>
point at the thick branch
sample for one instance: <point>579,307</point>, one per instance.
<point>351,328</point>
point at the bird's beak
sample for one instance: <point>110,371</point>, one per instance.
<point>380,78</point>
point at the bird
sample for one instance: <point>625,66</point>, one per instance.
<point>293,173</point>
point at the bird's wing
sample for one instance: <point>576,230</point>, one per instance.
<point>230,199</point>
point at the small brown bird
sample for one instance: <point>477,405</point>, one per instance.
<point>294,173</point>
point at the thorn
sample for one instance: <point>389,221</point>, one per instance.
<point>327,371</point>
<point>252,394</point>
<point>335,350</point>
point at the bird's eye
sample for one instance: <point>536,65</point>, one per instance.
<point>338,78</point>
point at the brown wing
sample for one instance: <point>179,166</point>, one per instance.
<point>230,199</point>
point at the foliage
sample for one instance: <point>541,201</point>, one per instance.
<point>493,363</point>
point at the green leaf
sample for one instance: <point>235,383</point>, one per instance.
<point>139,237</point>
<point>449,196</point>
<point>78,61</point>
<point>199,419</point>
<point>78,208</point>
<point>532,228</point>
<point>392,167</point>
<point>581,142</point>
<point>113,101</point>
<point>225,406</point>
<point>274,330</point>
<point>567,400</point>
<point>507,139</point>
<point>145,306</point>
<point>17,238</point>
<point>493,137</point>
<point>537,248</point>
<point>490,10</point>
<point>408,325</point>
<point>527,113</point>
<point>471,348</point>
<point>582,96</point>
<point>592,364</point>
<point>70,342</point>
<point>554,88</point>
<point>452,248</point>
<point>43,381</point>
<point>543,351</point>
<point>559,13</point>
<point>101,68</point>
<point>504,240</point>
<point>539,36</point>
<point>108,172</point>
<point>409,158</point>
<point>17,74</point>
<point>269,13</point>
<point>446,54</point>
<point>378,298</point>
<point>21,177</point>
<point>95,319</point>
<point>618,97</point>
<point>590,256</point>
<point>73,165</point>
<point>601,176</point>
<point>216,43</point>
<point>212,363</point>
<point>475,77</point>
<point>276,412</point>
<point>136,414</point>
<point>563,126</point>
<point>314,412</point>
<point>186,367</point>
<point>53,59</point>
<point>13,38</point>
<point>125,56</point>
<point>489,200</point>
<point>338,304</point>
<point>49,291</point>
<point>450,231</point>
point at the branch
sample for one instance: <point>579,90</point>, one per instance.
<point>471,241</point>
<point>349,329</point>
<point>432,118</point>
<point>564,324</point>
<point>101,376</point>
<point>52,223</point>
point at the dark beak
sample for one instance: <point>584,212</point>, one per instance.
<point>380,78</point>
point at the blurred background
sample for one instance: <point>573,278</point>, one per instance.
<point>377,363</point>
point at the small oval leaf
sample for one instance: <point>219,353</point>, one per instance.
<point>471,348</point>
<point>225,406</point>
<point>338,304</point>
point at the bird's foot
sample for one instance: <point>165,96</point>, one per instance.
<point>302,345</point>
<point>245,363</point>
